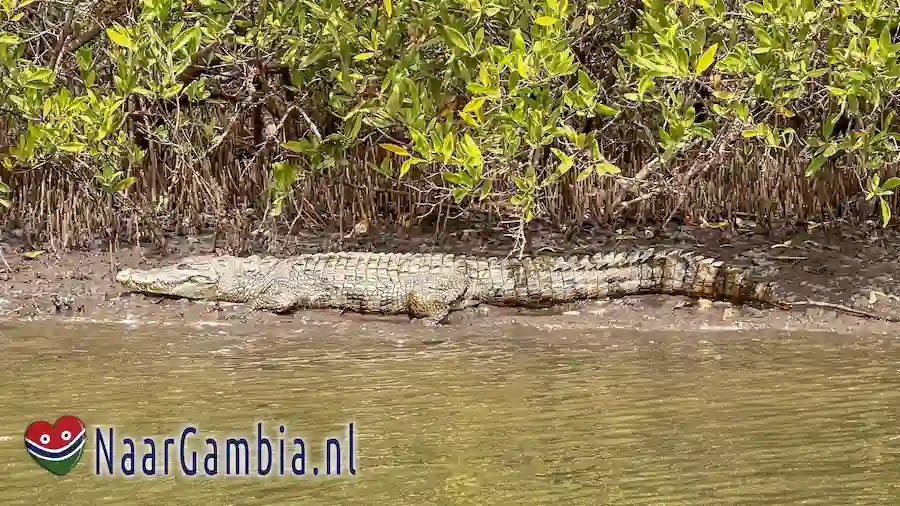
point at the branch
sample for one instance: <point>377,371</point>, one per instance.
<point>95,30</point>
<point>56,55</point>
<point>195,69</point>
<point>713,155</point>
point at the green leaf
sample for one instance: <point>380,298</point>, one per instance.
<point>585,83</point>
<point>363,56</point>
<point>584,174</point>
<point>277,207</point>
<point>73,147</point>
<point>446,147</point>
<point>490,10</point>
<point>459,40</point>
<point>31,255</point>
<point>295,146</point>
<point>119,36</point>
<point>479,89</point>
<point>471,148</point>
<point>828,126</point>
<point>185,37</point>
<point>484,75</point>
<point>607,168</point>
<point>755,8</point>
<point>459,194</point>
<point>125,183</point>
<point>885,213</point>
<point>815,165</point>
<point>451,177</point>
<point>891,183</point>
<point>84,57</point>
<point>606,110</point>
<point>545,21</point>
<point>486,189</point>
<point>817,73</point>
<point>395,100</point>
<point>565,161</point>
<point>529,215</point>
<point>40,75</point>
<point>408,164</point>
<point>886,124</point>
<point>388,8</point>
<point>393,148</point>
<point>522,65</point>
<point>176,29</point>
<point>723,95</point>
<point>706,59</point>
<point>467,118</point>
<point>518,40</point>
<point>317,54</point>
<point>885,39</point>
<point>10,39</point>
<point>474,104</point>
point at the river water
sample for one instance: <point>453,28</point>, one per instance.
<point>464,415</point>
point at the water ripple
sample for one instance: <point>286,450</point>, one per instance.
<point>479,418</point>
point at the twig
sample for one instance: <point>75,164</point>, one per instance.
<point>718,147</point>
<point>63,36</point>
<point>312,126</point>
<point>519,240</point>
<point>643,197</point>
<point>635,182</point>
<point>837,307</point>
<point>3,258</point>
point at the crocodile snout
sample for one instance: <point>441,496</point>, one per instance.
<point>123,276</point>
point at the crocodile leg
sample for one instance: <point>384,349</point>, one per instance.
<point>432,297</point>
<point>278,302</point>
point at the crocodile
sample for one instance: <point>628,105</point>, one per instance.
<point>427,287</point>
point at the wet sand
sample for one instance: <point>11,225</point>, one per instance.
<point>849,267</point>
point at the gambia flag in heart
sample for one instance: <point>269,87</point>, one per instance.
<point>56,447</point>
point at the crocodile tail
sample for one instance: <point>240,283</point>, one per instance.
<point>673,272</point>
<point>684,273</point>
<point>541,281</point>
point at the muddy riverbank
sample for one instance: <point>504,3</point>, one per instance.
<point>847,266</point>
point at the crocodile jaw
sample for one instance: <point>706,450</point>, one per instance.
<point>174,282</point>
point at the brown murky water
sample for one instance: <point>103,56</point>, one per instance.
<point>509,416</point>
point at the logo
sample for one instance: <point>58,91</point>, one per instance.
<point>56,447</point>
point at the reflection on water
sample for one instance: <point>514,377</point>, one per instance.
<point>513,417</point>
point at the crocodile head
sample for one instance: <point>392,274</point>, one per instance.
<point>192,278</point>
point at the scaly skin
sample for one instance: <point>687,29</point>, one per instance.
<point>429,286</point>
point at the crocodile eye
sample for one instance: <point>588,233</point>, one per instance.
<point>45,439</point>
<point>66,435</point>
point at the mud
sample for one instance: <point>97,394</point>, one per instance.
<point>841,265</point>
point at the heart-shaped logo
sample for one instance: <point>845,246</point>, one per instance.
<point>56,447</point>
